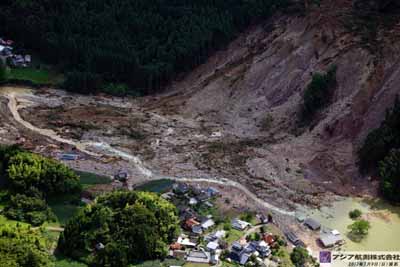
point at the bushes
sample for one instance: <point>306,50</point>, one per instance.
<point>355,214</point>
<point>358,230</point>
<point>33,179</point>
<point>131,225</point>
<point>318,94</point>
<point>28,209</point>
<point>299,256</point>
<point>27,171</point>
<point>20,247</point>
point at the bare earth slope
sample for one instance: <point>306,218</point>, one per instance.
<point>213,122</point>
<point>264,74</point>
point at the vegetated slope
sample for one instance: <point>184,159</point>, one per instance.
<point>255,90</point>
<point>141,43</point>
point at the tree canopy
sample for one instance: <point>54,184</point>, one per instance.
<point>299,256</point>
<point>142,43</point>
<point>130,225</point>
<point>21,247</point>
<point>31,179</point>
<point>380,150</point>
<point>27,171</point>
<point>359,229</point>
<point>380,141</point>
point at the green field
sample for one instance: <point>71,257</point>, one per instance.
<point>64,207</point>
<point>61,261</point>
<point>159,263</point>
<point>37,76</point>
<point>233,235</point>
<point>88,179</point>
<point>157,186</point>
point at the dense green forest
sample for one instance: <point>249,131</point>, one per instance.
<point>380,151</point>
<point>30,180</point>
<point>141,43</point>
<point>123,227</point>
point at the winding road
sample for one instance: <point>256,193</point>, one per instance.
<point>16,101</point>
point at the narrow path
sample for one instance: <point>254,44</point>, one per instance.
<point>14,104</point>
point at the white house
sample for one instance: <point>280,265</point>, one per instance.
<point>239,224</point>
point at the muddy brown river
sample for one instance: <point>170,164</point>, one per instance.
<point>384,234</point>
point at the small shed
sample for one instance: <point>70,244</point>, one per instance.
<point>292,237</point>
<point>312,224</point>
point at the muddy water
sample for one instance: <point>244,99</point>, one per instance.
<point>384,219</point>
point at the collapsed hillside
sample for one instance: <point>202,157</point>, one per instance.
<point>236,116</point>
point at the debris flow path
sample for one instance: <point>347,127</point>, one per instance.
<point>17,99</point>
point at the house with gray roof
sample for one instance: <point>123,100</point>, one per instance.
<point>312,224</point>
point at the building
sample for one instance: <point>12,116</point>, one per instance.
<point>186,242</point>
<point>300,217</point>
<point>240,225</point>
<point>190,223</point>
<point>239,253</point>
<point>331,238</point>
<point>292,238</point>
<point>197,229</point>
<point>199,256</point>
<point>212,246</point>
<point>312,224</point>
<point>178,254</point>
<point>207,223</point>
<point>269,239</point>
<point>261,247</point>
<point>215,236</point>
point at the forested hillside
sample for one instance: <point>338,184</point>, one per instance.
<point>141,43</point>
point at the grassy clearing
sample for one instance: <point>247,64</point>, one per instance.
<point>37,76</point>
<point>233,235</point>
<point>64,207</point>
<point>87,179</point>
<point>157,186</point>
<point>159,263</point>
<point>61,261</point>
<point>192,264</point>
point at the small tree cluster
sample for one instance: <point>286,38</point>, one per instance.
<point>355,214</point>
<point>318,94</point>
<point>132,226</point>
<point>32,179</point>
